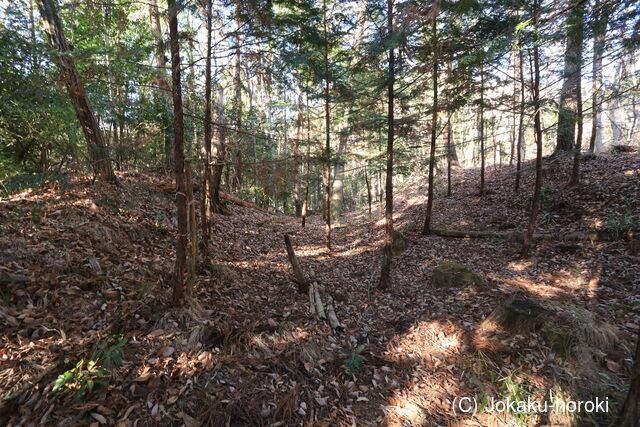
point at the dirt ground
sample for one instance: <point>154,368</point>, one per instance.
<point>86,268</point>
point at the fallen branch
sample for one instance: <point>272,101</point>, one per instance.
<point>319,306</point>
<point>331,314</point>
<point>316,307</point>
<point>516,236</point>
<point>171,188</point>
<point>239,202</point>
<point>303,284</point>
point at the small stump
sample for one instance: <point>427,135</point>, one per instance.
<point>449,274</point>
<point>517,315</point>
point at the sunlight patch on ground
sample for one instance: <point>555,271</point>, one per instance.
<point>519,266</point>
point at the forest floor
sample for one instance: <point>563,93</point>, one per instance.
<point>85,273</point>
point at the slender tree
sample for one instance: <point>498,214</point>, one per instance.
<point>207,11</point>
<point>481,129</point>
<point>537,122</point>
<point>599,40</point>
<point>326,175</point>
<point>426,229</point>
<point>385,280</point>
<point>568,109</point>
<point>520,144</point>
<point>98,151</point>
<point>162,83</point>
<point>179,287</point>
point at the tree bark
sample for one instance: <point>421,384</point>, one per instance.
<point>193,230</point>
<point>568,109</point>
<point>297,203</point>
<point>237,101</point>
<point>179,287</point>
<point>98,151</point>
<point>575,173</point>
<point>535,205</point>
<point>520,143</point>
<point>385,281</point>
<point>207,11</point>
<point>481,130</point>
<point>308,171</point>
<point>599,34</point>
<point>434,124</point>
<point>219,155</point>
<point>326,175</point>
<point>162,82</point>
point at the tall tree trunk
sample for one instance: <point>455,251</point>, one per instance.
<point>368,184</point>
<point>219,155</point>
<point>599,35</point>
<point>297,203</point>
<point>337,193</point>
<point>535,204</point>
<point>385,280</point>
<point>451,154</point>
<point>207,11</point>
<point>568,110</point>
<point>237,101</point>
<point>308,171</point>
<point>179,287</point>
<point>481,130</point>
<point>326,175</point>
<point>426,229</point>
<point>575,173</point>
<point>520,144</point>
<point>98,151</point>
<point>162,82</point>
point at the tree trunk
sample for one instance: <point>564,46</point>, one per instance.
<point>568,109</point>
<point>434,124</point>
<point>219,155</point>
<point>308,171</point>
<point>385,281</point>
<point>599,34</point>
<point>575,173</point>
<point>237,102</point>
<point>193,230</point>
<point>481,130</point>
<point>520,144</point>
<point>337,195</point>
<point>368,183</point>
<point>297,203</point>
<point>207,11</point>
<point>451,156</point>
<point>179,294</point>
<point>535,204</point>
<point>326,175</point>
<point>162,82</point>
<point>98,151</point>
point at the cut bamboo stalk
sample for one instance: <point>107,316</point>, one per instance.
<point>331,314</point>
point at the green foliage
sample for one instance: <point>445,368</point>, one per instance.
<point>110,351</point>
<point>18,183</point>
<point>80,381</point>
<point>620,224</point>
<point>87,376</point>
<point>355,360</point>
